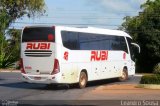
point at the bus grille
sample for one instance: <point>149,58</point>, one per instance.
<point>38,53</point>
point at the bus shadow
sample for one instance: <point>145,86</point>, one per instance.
<point>24,85</point>
<point>1,79</point>
<point>90,84</point>
<point>102,82</point>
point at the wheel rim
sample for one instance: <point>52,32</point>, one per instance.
<point>123,75</point>
<point>83,80</point>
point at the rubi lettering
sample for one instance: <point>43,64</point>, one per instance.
<point>42,46</point>
<point>99,55</point>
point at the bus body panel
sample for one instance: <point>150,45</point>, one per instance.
<point>96,70</point>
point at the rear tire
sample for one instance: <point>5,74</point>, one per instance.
<point>124,75</point>
<point>82,80</point>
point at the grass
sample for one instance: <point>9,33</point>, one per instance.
<point>150,79</point>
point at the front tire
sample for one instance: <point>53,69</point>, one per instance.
<point>124,75</point>
<point>82,80</point>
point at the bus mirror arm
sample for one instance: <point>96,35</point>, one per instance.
<point>136,45</point>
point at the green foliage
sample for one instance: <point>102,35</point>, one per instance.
<point>10,10</point>
<point>150,79</point>
<point>156,69</point>
<point>145,30</point>
<point>4,22</point>
<point>9,49</point>
<point>17,8</point>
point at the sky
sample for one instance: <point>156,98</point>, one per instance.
<point>83,13</point>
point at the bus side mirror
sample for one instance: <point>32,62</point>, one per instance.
<point>136,47</point>
<point>136,50</point>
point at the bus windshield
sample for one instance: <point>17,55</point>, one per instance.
<point>38,34</point>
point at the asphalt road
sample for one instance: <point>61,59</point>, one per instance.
<point>12,88</point>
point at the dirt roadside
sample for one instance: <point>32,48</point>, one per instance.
<point>121,92</point>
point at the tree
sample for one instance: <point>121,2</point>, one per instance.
<point>10,10</point>
<point>145,30</point>
<point>15,9</point>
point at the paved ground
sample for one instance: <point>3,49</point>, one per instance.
<point>12,88</point>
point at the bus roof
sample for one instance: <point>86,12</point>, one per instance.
<point>89,30</point>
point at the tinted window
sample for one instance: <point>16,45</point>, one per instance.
<point>118,43</point>
<point>123,45</point>
<point>70,40</point>
<point>44,34</point>
<point>89,41</point>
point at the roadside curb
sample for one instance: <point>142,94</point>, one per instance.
<point>138,75</point>
<point>14,71</point>
<point>149,86</point>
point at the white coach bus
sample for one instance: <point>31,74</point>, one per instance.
<point>66,55</point>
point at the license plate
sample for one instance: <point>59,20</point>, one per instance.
<point>37,78</point>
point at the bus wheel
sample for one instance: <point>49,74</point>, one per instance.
<point>82,80</point>
<point>124,75</point>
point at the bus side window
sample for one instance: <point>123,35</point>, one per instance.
<point>70,40</point>
<point>118,43</point>
<point>89,41</point>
